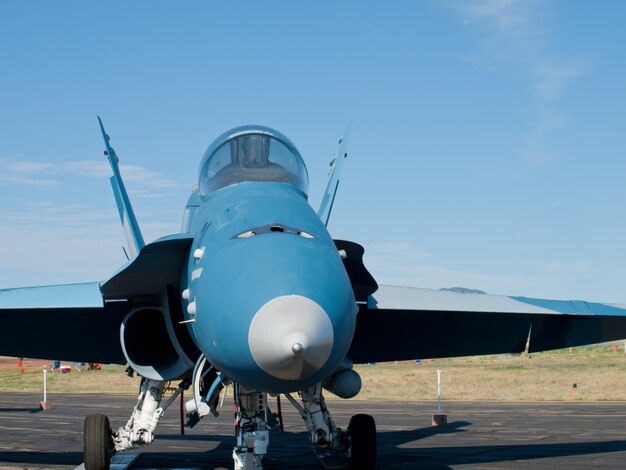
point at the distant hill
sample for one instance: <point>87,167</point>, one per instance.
<point>463,290</point>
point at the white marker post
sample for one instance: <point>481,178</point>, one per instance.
<point>439,419</point>
<point>44,405</point>
<point>438,392</point>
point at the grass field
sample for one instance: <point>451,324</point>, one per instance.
<point>111,379</point>
<point>598,372</point>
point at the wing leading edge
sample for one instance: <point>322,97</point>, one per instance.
<point>81,322</point>
<point>67,322</point>
<point>400,323</point>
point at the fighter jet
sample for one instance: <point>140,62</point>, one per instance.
<point>254,293</point>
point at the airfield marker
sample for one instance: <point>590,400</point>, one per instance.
<point>438,391</point>
<point>439,419</point>
<point>44,405</point>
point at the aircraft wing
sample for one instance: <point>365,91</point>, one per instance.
<point>66,322</point>
<point>401,323</point>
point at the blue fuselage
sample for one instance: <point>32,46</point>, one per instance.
<point>273,306</point>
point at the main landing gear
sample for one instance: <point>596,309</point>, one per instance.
<point>335,448</point>
<point>98,442</point>
<point>362,434</point>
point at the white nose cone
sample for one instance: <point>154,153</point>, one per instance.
<point>291,337</point>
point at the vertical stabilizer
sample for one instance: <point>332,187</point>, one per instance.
<point>336,164</point>
<point>125,209</point>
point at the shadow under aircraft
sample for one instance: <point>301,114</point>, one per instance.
<point>393,452</point>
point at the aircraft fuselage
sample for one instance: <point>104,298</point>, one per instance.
<point>273,306</point>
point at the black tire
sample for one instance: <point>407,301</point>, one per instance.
<point>97,442</point>
<point>362,432</point>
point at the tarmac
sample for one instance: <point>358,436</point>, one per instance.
<point>485,435</point>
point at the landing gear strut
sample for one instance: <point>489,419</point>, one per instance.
<point>328,441</point>
<point>98,442</point>
<point>251,428</point>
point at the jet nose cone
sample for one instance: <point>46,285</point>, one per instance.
<point>297,348</point>
<point>291,337</point>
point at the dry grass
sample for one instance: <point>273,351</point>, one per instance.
<point>597,371</point>
<point>111,379</point>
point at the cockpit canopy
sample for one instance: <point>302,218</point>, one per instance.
<point>251,153</point>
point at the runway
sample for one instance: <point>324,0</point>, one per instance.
<point>479,435</point>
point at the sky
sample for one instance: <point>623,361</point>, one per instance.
<point>488,147</point>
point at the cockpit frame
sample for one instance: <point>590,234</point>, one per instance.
<point>251,153</point>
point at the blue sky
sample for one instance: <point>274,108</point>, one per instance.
<point>487,149</point>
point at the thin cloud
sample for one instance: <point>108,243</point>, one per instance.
<point>513,36</point>
<point>547,123</point>
<point>42,217</point>
<point>513,33</point>
<point>551,77</point>
<point>559,267</point>
<point>37,204</point>
<point>432,276</point>
<point>58,254</point>
<point>141,181</point>
<point>89,168</point>
<point>397,248</point>
<point>65,243</point>
<point>132,174</point>
<point>404,264</point>
<point>14,171</point>
<point>147,178</point>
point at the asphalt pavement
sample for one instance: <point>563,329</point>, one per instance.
<point>489,435</point>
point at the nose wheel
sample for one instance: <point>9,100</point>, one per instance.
<point>97,442</point>
<point>362,433</point>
